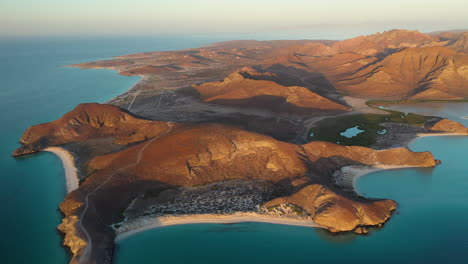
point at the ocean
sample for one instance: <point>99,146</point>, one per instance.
<point>428,227</point>
<point>36,88</point>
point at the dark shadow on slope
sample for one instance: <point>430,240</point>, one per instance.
<point>314,81</point>
<point>276,104</point>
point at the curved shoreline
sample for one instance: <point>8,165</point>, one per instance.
<point>352,174</point>
<point>139,225</point>
<point>347,176</point>
<point>68,162</point>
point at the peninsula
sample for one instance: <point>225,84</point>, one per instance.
<point>249,131</point>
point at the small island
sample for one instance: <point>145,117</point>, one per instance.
<point>249,131</point>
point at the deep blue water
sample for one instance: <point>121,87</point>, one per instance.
<point>430,225</point>
<point>34,89</point>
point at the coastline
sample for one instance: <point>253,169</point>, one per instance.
<point>68,162</point>
<point>422,135</point>
<point>139,225</point>
<point>128,91</point>
<point>347,176</point>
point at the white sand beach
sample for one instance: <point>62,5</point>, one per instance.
<point>136,226</point>
<point>347,176</point>
<point>68,162</point>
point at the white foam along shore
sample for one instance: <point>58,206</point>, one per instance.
<point>68,162</point>
<point>142,224</point>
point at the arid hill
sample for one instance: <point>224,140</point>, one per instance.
<point>396,64</point>
<point>446,125</point>
<point>240,90</point>
<point>384,42</point>
<point>91,121</point>
<point>334,211</point>
<point>460,43</point>
<point>418,73</point>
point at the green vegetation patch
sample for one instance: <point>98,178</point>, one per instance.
<point>330,129</point>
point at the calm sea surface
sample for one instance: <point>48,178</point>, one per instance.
<point>429,226</point>
<point>35,89</point>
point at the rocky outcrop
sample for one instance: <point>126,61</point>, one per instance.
<point>394,156</point>
<point>334,211</point>
<point>446,125</point>
<point>73,238</point>
<point>91,121</point>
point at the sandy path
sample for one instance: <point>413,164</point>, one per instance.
<point>87,252</point>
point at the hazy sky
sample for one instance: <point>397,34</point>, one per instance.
<point>123,17</point>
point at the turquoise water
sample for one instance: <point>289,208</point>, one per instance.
<point>351,132</point>
<point>454,111</point>
<point>430,225</point>
<point>35,88</point>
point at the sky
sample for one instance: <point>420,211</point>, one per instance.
<point>149,17</point>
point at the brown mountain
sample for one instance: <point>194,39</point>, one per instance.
<point>257,92</point>
<point>396,64</point>
<point>91,121</point>
<point>446,125</point>
<point>460,43</point>
<point>383,42</point>
<point>419,73</point>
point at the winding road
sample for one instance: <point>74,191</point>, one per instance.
<point>89,247</point>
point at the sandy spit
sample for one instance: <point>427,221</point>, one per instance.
<point>68,162</point>
<point>347,176</point>
<point>142,224</point>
